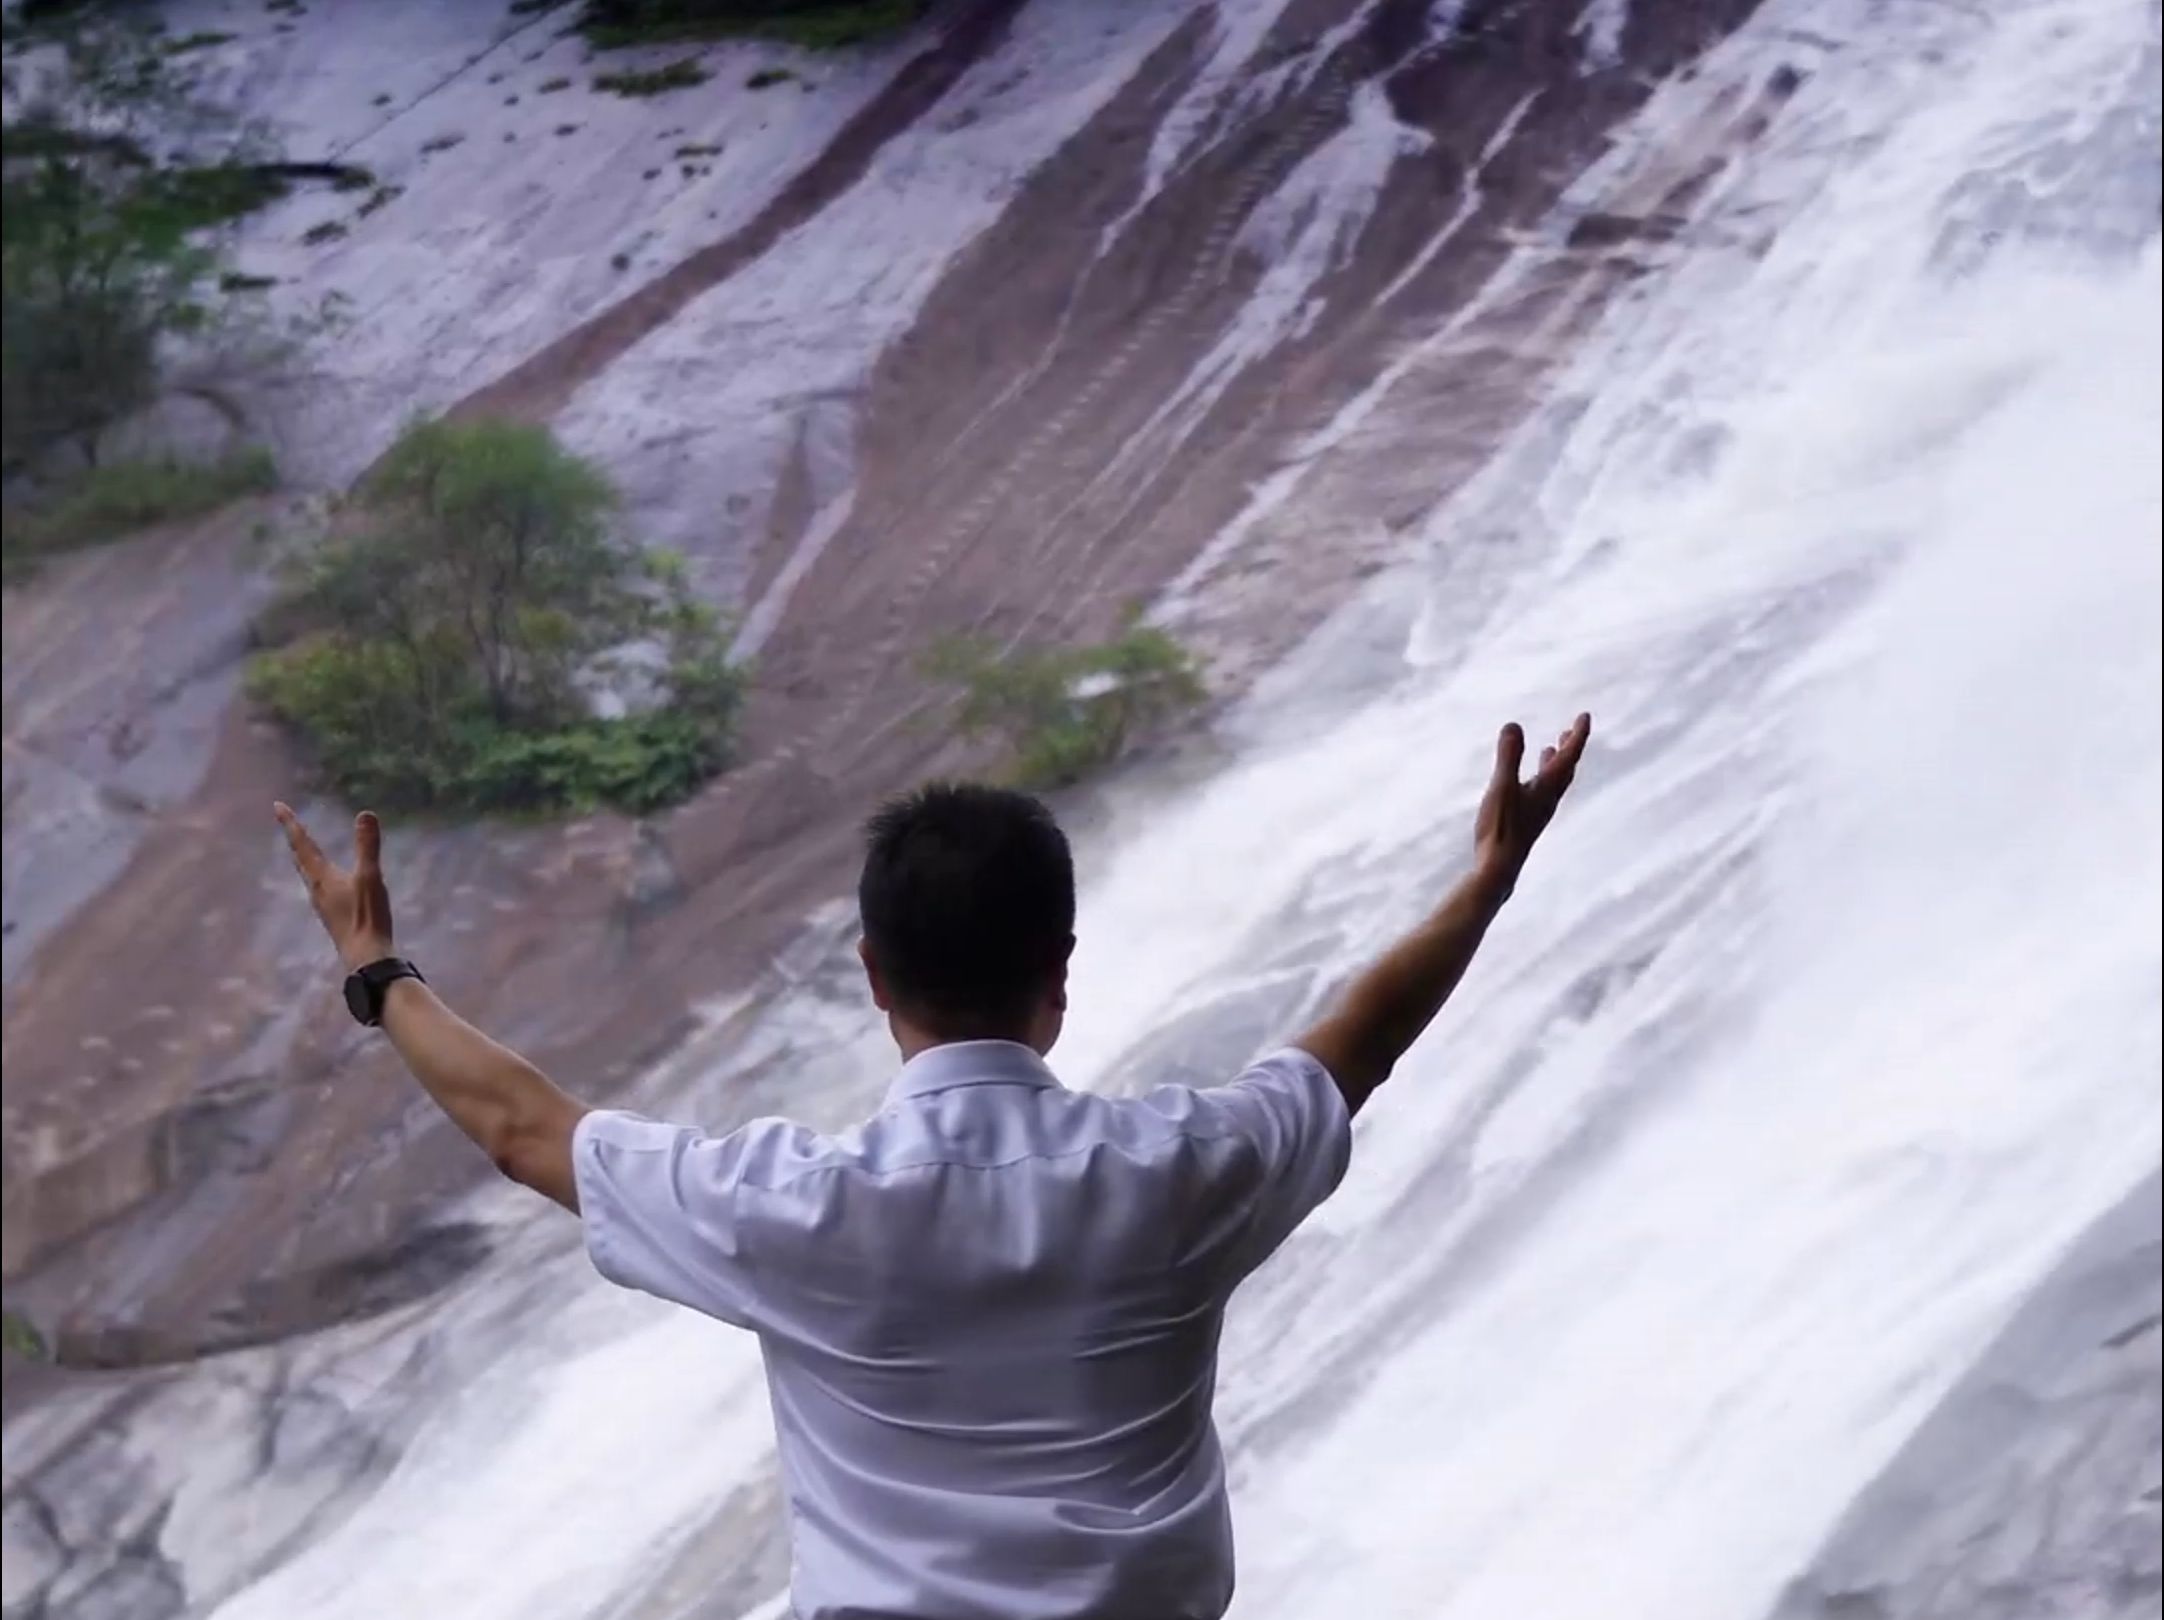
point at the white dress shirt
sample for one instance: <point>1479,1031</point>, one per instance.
<point>990,1318</point>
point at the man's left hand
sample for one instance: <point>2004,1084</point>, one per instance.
<point>353,906</point>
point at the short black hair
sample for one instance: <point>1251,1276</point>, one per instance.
<point>967,899</point>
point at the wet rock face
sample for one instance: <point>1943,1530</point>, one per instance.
<point>84,1541</point>
<point>2032,1492</point>
<point>31,1553</point>
<point>119,672</point>
<point>1230,245</point>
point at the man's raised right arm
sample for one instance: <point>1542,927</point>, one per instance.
<point>1388,1006</point>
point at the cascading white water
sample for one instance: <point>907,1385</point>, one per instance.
<point>1828,1015</point>
<point>1832,1013</point>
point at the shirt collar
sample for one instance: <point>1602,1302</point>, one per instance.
<point>970,1063</point>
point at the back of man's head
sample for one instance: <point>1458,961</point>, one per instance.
<point>968,906</point>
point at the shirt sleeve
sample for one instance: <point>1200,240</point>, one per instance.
<point>1290,1114</point>
<point>662,1209</point>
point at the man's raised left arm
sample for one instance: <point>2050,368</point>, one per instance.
<point>511,1110</point>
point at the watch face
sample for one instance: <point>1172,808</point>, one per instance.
<point>358,1000</point>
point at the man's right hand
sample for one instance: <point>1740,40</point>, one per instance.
<point>1513,812</point>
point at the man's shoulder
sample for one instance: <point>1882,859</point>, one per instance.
<point>759,1150</point>
<point>1286,1077</point>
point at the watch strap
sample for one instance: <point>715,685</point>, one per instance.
<point>365,986</point>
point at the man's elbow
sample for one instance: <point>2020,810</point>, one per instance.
<point>512,1153</point>
<point>535,1154</point>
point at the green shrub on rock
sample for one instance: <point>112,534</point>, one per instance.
<point>120,497</point>
<point>1066,712</point>
<point>454,648</point>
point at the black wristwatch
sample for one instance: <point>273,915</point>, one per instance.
<point>365,987</point>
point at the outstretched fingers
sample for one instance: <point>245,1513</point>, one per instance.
<point>308,856</point>
<point>1558,765</point>
<point>1509,755</point>
<point>1572,747</point>
<point>367,843</point>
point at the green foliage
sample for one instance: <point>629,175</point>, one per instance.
<point>367,710</point>
<point>678,75</point>
<point>39,135</point>
<point>440,651</point>
<point>837,27</point>
<point>105,255</point>
<point>813,24</point>
<point>639,764</point>
<point>121,497</point>
<point>1065,712</point>
<point>89,284</point>
<point>205,195</point>
<point>21,1337</point>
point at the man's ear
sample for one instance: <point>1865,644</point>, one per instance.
<point>871,975</point>
<point>1059,976</point>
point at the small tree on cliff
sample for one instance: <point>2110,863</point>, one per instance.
<point>451,648</point>
<point>107,251</point>
<point>1064,712</point>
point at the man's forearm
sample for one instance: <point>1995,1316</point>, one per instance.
<point>513,1111</point>
<point>1387,1007</point>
